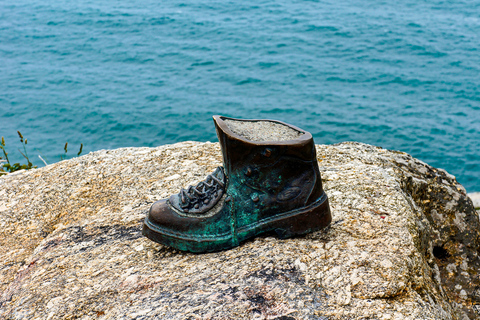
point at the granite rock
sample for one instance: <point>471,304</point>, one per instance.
<point>475,196</point>
<point>403,244</point>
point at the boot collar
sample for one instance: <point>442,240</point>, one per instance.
<point>304,138</point>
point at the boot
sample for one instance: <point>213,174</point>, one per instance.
<point>269,182</point>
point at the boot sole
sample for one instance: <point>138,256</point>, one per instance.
<point>313,217</point>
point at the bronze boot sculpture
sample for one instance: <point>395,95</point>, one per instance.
<point>269,182</point>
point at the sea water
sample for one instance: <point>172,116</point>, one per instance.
<point>402,75</point>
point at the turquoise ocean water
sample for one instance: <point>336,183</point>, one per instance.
<point>403,75</point>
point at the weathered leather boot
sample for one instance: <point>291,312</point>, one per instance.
<point>269,182</point>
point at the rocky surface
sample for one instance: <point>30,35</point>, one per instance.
<point>403,244</point>
<point>475,196</point>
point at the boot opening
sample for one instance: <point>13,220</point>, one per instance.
<point>262,130</point>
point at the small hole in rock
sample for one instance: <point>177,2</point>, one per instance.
<point>258,299</point>
<point>440,253</point>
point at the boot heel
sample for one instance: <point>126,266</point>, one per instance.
<point>312,218</point>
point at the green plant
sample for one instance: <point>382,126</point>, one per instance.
<point>64,156</point>
<point>6,166</point>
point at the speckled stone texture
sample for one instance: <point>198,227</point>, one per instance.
<point>475,196</point>
<point>403,244</point>
<point>262,130</point>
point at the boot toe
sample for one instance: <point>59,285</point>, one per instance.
<point>159,212</point>
<point>166,226</point>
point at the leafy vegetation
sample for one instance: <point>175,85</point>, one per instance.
<point>7,167</point>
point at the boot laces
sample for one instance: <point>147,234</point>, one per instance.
<point>204,192</point>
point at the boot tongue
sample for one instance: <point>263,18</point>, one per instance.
<point>261,130</point>
<point>201,198</point>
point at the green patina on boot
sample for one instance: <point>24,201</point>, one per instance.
<point>269,181</point>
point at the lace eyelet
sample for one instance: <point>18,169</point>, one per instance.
<point>203,196</point>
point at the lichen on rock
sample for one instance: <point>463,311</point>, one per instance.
<point>403,243</point>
